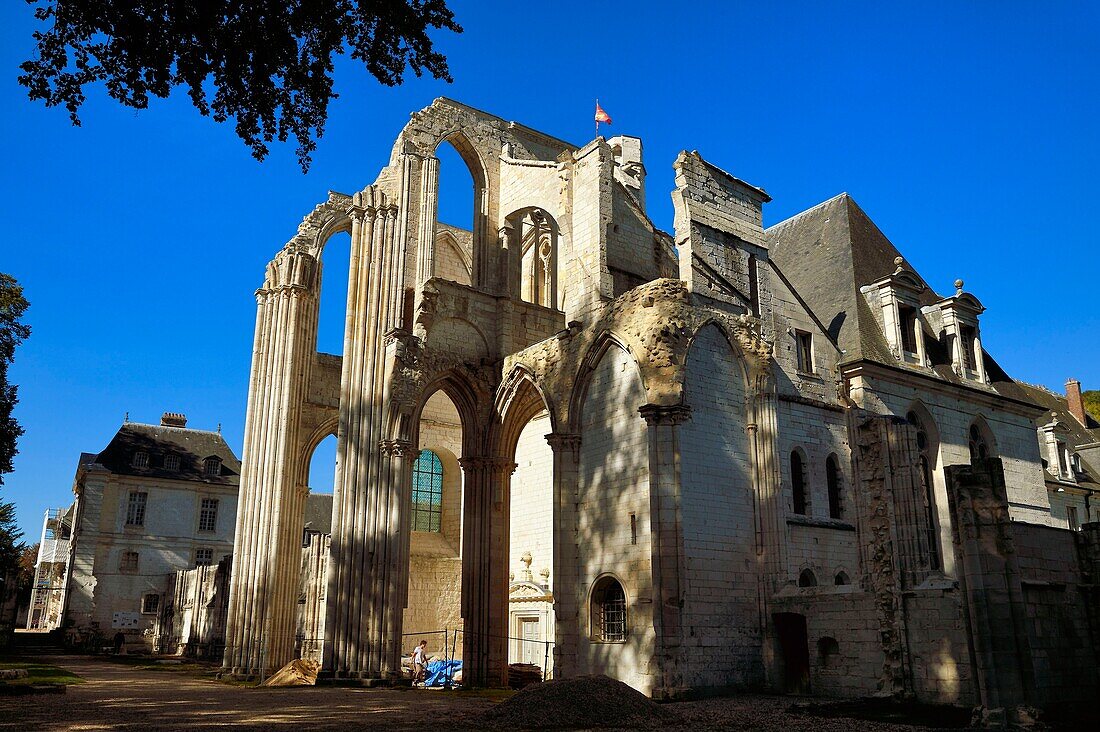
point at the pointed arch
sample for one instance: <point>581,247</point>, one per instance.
<point>592,357</point>
<point>479,227</point>
<point>519,400</point>
<point>980,440</point>
<point>928,465</point>
<point>326,429</point>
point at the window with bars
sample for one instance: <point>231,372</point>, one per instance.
<point>427,492</point>
<point>608,611</point>
<point>135,508</point>
<point>208,514</point>
<point>212,466</point>
<point>172,462</point>
<point>966,345</point>
<point>128,562</point>
<point>204,557</point>
<point>150,603</point>
<point>141,460</point>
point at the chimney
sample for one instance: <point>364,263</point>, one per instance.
<point>1076,402</point>
<point>175,419</point>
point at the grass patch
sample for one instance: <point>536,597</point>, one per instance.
<point>40,673</point>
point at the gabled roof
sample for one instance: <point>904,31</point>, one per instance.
<point>158,441</point>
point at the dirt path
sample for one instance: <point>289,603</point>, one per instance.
<point>119,697</point>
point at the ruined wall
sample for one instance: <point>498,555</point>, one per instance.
<point>1062,650</point>
<point>721,629</point>
<point>613,484</point>
<point>192,616</point>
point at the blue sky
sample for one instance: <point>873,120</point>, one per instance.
<point>967,131</point>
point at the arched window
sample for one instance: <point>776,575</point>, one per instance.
<point>608,611</point>
<point>841,579</point>
<point>427,492</point>
<point>979,443</point>
<point>800,500</point>
<point>807,578</point>
<point>927,488</point>
<point>832,478</point>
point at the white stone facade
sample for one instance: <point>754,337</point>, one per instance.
<point>614,409</point>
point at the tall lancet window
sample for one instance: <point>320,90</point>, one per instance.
<point>427,492</point>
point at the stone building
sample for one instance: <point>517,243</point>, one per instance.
<point>157,499</point>
<point>731,454</point>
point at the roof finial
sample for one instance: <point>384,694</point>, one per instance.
<point>958,287</point>
<point>126,418</point>
<point>898,261</point>
<point>219,428</point>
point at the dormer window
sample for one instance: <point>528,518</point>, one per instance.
<point>960,320</point>
<point>968,337</point>
<point>1063,460</point>
<point>172,462</point>
<point>212,466</point>
<point>141,459</point>
<point>1075,462</point>
<point>907,319</point>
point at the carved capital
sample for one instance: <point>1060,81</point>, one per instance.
<point>660,414</point>
<point>399,449</point>
<point>488,464</point>
<point>564,441</point>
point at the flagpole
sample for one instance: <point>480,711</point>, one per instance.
<point>597,119</point>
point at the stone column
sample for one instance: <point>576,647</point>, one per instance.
<point>267,543</point>
<point>365,541</point>
<point>568,624</point>
<point>485,525</point>
<point>668,539</point>
<point>429,206</point>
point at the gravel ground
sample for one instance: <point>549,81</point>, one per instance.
<point>120,697</point>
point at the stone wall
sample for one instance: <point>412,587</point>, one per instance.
<point>613,485</point>
<point>721,630</point>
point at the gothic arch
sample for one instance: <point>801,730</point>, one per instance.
<point>981,440</point>
<point>591,361</point>
<point>327,428</point>
<point>519,400</point>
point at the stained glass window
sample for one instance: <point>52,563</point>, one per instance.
<point>427,492</point>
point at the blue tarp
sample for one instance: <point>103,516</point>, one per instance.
<point>439,672</point>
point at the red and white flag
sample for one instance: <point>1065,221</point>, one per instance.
<point>602,116</point>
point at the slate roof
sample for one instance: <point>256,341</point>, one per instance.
<point>192,446</point>
<point>1076,434</point>
<point>828,253</point>
<point>319,513</point>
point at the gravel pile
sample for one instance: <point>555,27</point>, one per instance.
<point>581,702</point>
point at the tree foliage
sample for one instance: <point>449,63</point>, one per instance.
<point>268,65</point>
<point>1092,403</point>
<point>12,332</point>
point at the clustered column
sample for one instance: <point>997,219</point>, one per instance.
<point>567,618</point>
<point>485,527</point>
<point>365,594</point>
<point>267,543</point>
<point>668,540</point>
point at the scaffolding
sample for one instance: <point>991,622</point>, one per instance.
<point>51,571</point>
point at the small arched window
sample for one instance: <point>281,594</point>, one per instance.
<point>800,502</point>
<point>832,478</point>
<point>427,492</point>
<point>807,578</point>
<point>608,611</point>
<point>841,579</point>
<point>979,445</point>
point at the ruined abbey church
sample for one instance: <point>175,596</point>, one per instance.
<point>728,456</point>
